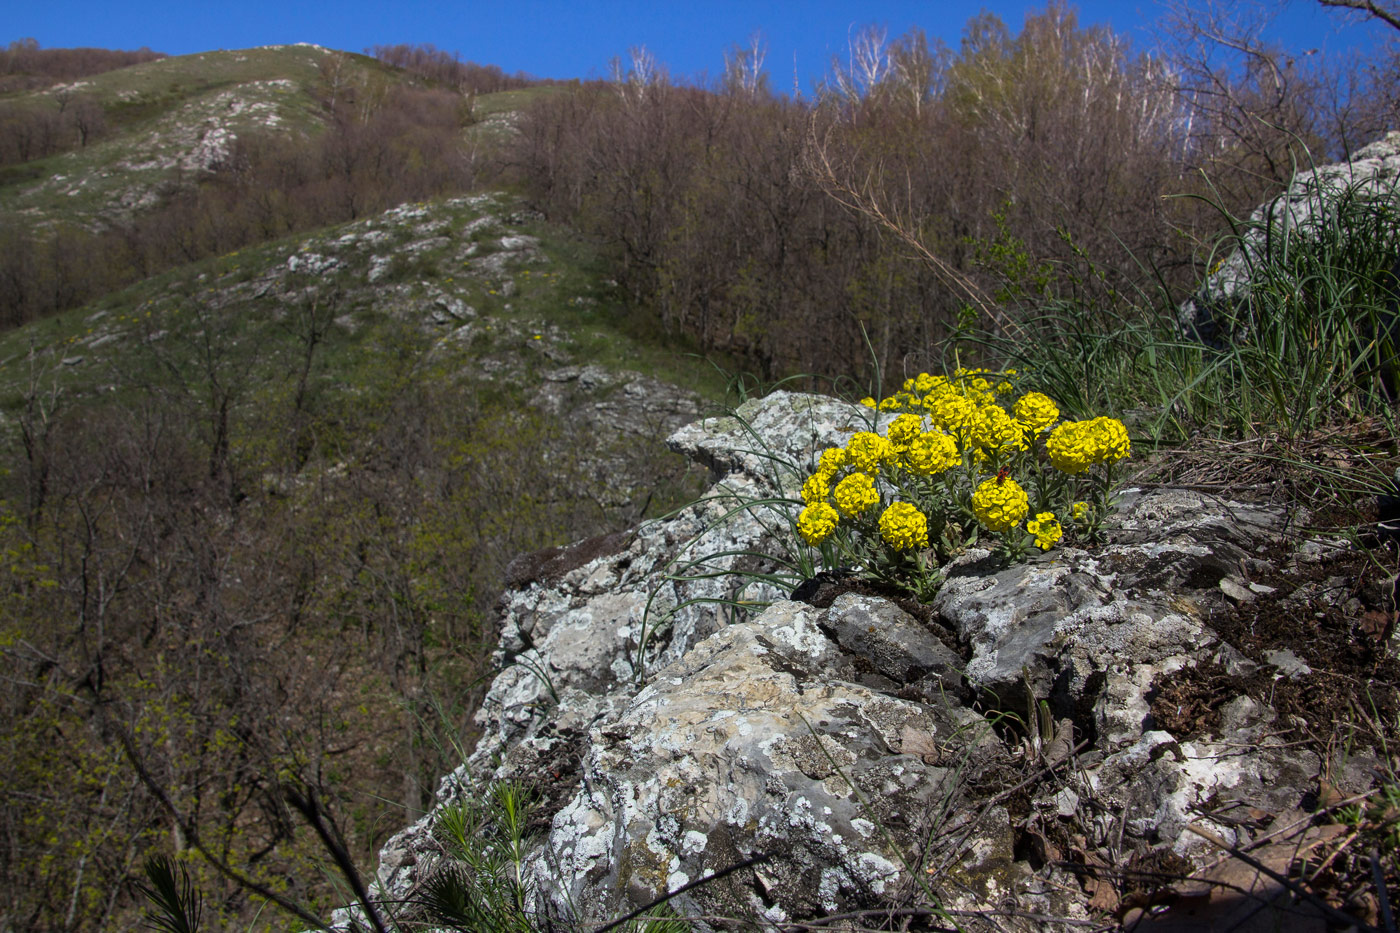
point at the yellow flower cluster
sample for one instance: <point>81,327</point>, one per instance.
<point>968,406</point>
<point>855,494</point>
<point>903,430</point>
<point>816,489</point>
<point>996,431</point>
<point>1113,436</point>
<point>865,451</point>
<point>956,414</point>
<point>1000,503</point>
<point>1046,529</point>
<point>975,420</point>
<point>817,522</point>
<point>1036,411</point>
<point>930,453</point>
<point>925,392</point>
<point>833,459</point>
<point>903,527</point>
<point>1075,446</point>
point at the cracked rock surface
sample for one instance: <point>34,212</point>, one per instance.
<point>857,754</point>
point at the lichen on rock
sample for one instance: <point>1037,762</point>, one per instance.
<point>852,755</point>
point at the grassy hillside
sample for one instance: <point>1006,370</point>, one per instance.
<point>119,176</point>
<point>169,121</point>
<point>256,512</point>
<point>478,273</point>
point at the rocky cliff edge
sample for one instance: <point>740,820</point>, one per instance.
<point>1017,754</point>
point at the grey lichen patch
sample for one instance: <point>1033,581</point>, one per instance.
<point>888,718</point>
<point>985,869</point>
<point>818,756</point>
<point>759,737</point>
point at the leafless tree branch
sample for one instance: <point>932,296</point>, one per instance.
<point>1389,16</point>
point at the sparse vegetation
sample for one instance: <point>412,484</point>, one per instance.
<point>299,492</point>
<point>315,137</point>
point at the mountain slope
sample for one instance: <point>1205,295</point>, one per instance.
<point>170,120</point>
<point>202,155</point>
<point>257,510</point>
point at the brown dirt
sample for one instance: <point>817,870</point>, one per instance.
<point>1337,616</point>
<point>1189,703</point>
<point>556,777</point>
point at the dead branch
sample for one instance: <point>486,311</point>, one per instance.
<point>863,198</point>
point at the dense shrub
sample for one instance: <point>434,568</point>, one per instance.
<point>25,66</point>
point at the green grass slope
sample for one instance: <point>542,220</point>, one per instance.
<point>172,119</point>
<point>296,474</point>
<point>478,270</point>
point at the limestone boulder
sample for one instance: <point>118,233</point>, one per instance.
<point>695,733</point>
<point>1311,200</point>
<point>582,628</point>
<point>749,749</point>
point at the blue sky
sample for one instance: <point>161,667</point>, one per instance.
<point>577,38</point>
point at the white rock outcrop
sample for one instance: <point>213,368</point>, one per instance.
<point>1372,174</point>
<point>843,752</point>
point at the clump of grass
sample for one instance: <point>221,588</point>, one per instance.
<point>1314,329</point>
<point>483,885</point>
<point>1307,335</point>
<point>176,905</point>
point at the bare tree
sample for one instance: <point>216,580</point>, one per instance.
<point>743,68</point>
<point>336,80</point>
<point>869,195</point>
<point>1253,107</point>
<point>636,80</point>
<point>1388,13</point>
<point>866,66</point>
<point>89,119</point>
<point>916,70</point>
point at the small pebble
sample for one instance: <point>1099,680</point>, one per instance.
<point>1238,592</point>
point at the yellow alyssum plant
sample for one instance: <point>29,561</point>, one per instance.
<point>963,456</point>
